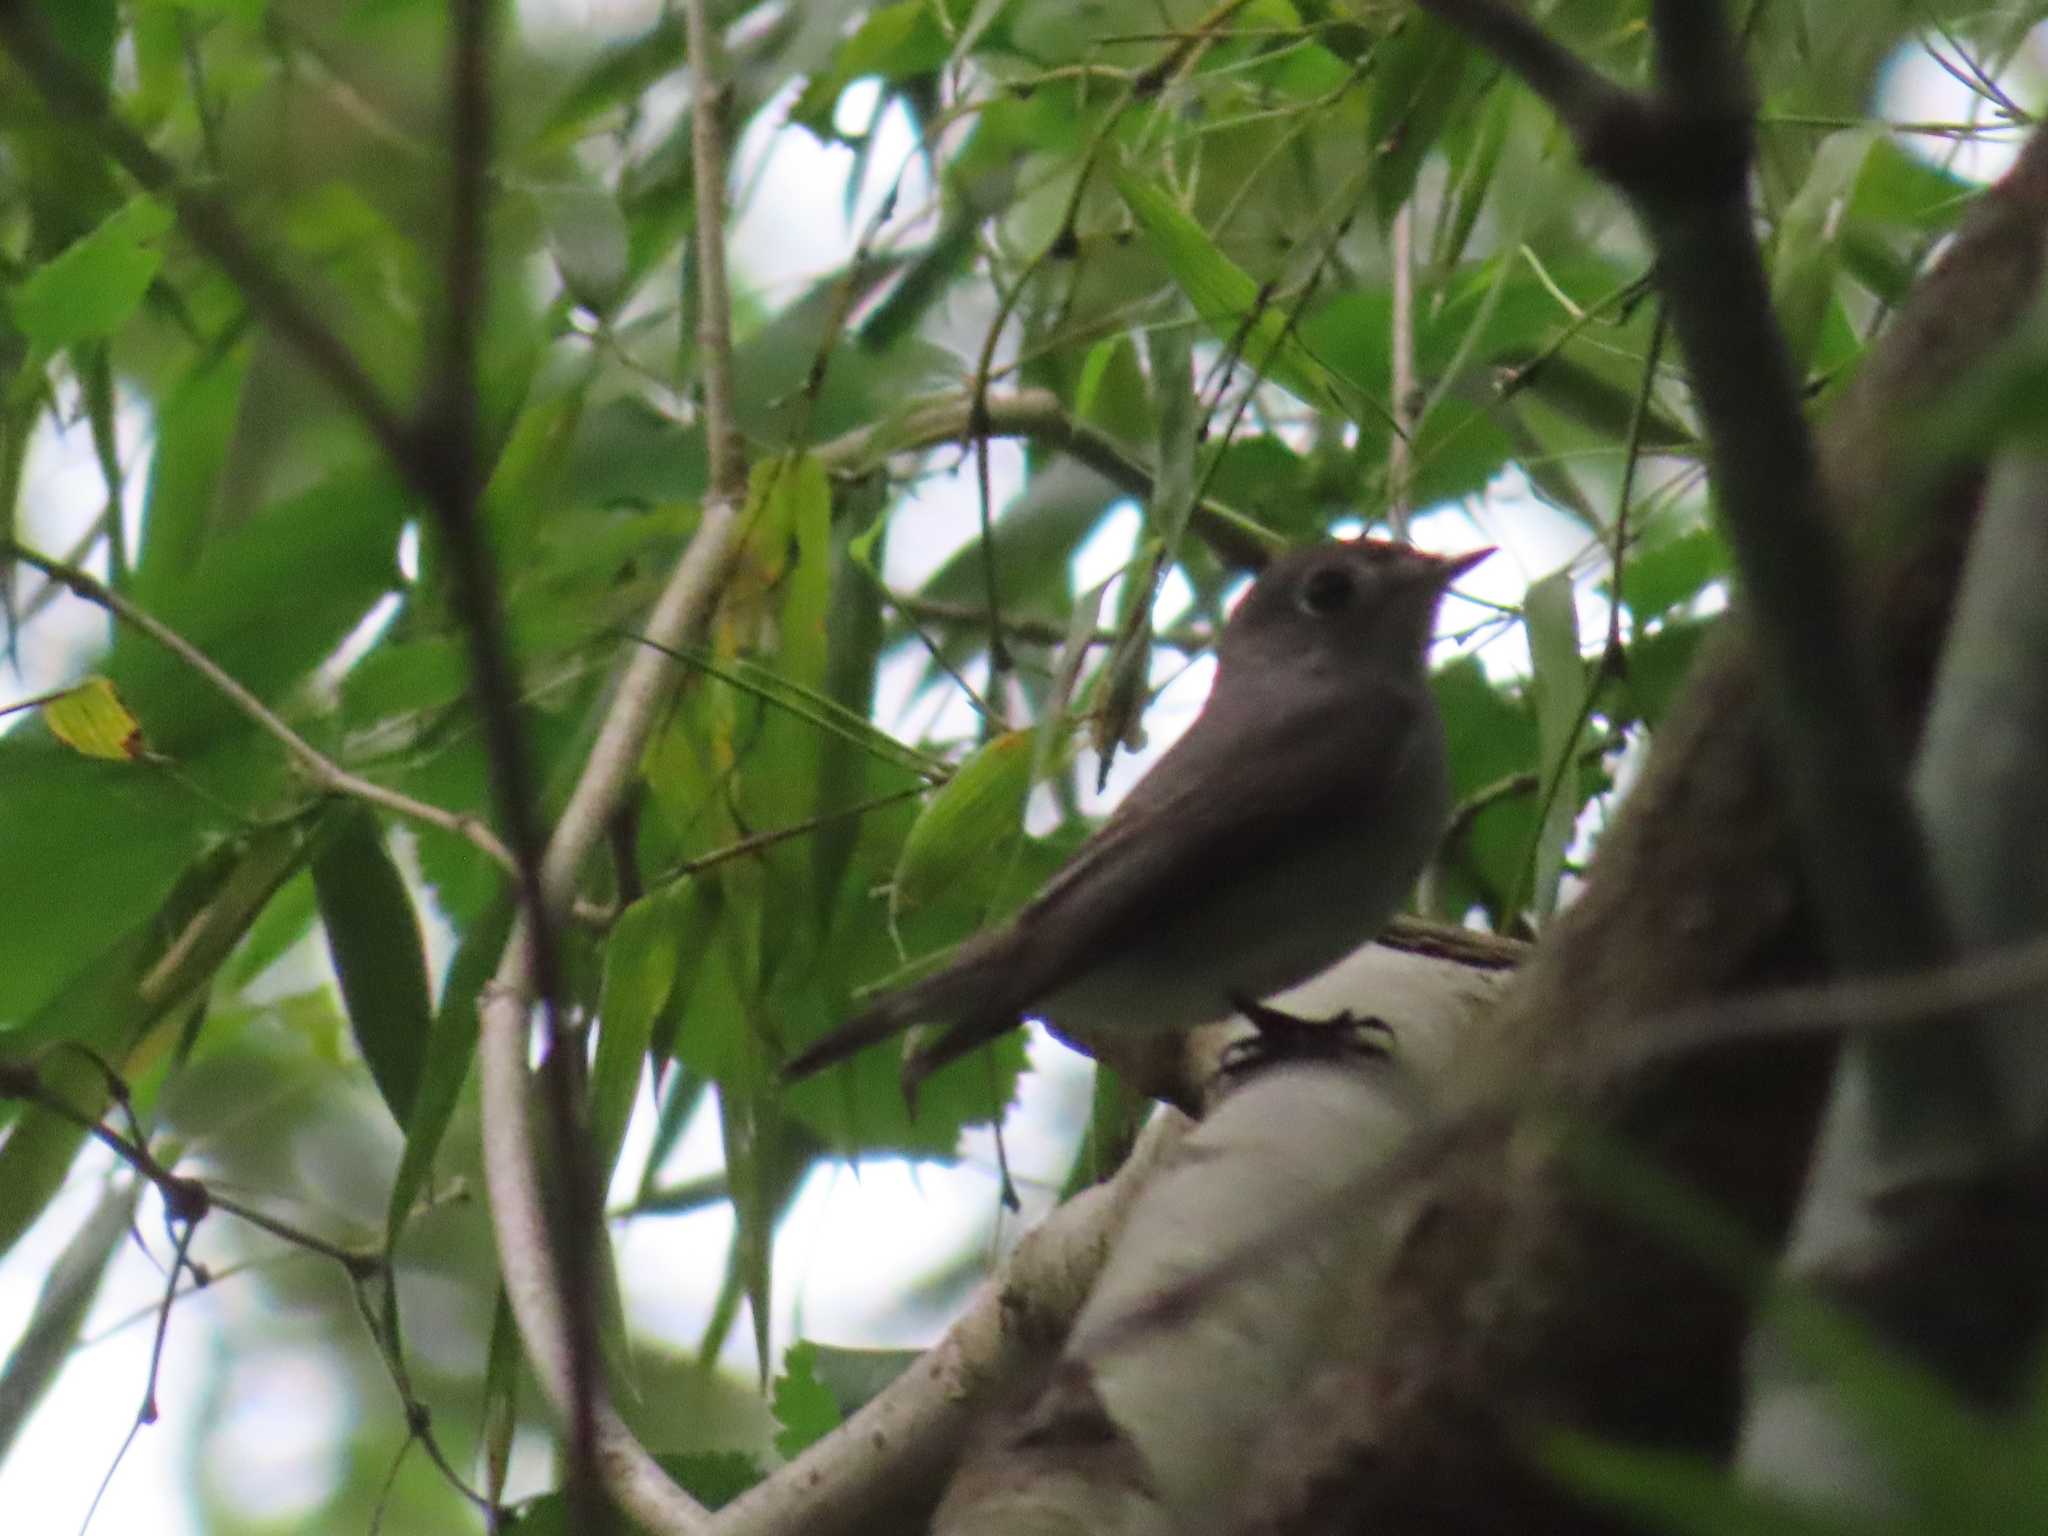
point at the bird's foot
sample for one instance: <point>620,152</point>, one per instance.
<point>1284,1036</point>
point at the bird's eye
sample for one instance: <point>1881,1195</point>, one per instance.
<point>1326,591</point>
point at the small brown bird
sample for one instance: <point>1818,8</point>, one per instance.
<point>1276,836</point>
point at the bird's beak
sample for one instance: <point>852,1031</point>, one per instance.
<point>1451,567</point>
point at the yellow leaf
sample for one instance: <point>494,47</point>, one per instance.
<point>91,719</point>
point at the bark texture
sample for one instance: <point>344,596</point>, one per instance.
<point>1519,1300</point>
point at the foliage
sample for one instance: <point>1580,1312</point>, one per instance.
<point>1080,176</point>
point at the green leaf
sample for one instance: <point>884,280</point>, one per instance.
<point>85,29</point>
<point>612,81</point>
<point>1658,664</point>
<point>70,1284</point>
<point>40,1147</point>
<point>267,604</point>
<point>195,427</point>
<point>1608,408</point>
<point>588,238</point>
<point>1492,738</point>
<point>893,42</point>
<point>713,1478</point>
<point>1550,614</point>
<point>801,501</point>
<point>854,631</point>
<point>1233,307</point>
<point>791,540</point>
<point>1033,545</point>
<point>88,291</point>
<point>804,1407</point>
<point>960,846</point>
<point>856,1377</point>
<point>1896,187</point>
<point>1671,572</point>
<point>503,1362</point>
<point>1110,391</point>
<point>153,972</point>
<point>87,849</point>
<point>1170,353</point>
<point>1680,1493</point>
<point>1806,254</point>
<point>639,971</point>
<point>451,1046</point>
<point>806,704</point>
<point>285,920</point>
<point>1475,176</point>
<point>1420,84</point>
<point>373,936</point>
<point>247,11</point>
<point>751,1125</point>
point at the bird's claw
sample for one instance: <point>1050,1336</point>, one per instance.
<point>1284,1036</point>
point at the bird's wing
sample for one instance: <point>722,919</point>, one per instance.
<point>1226,820</point>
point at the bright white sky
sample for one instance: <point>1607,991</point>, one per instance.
<point>286,1409</point>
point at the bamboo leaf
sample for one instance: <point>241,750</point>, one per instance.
<point>373,935</point>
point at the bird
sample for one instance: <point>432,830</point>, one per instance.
<point>1279,833</point>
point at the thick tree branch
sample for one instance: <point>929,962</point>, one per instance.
<point>1580,96</point>
<point>530,1262</point>
<point>1682,161</point>
<point>1524,1301</point>
<point>890,1457</point>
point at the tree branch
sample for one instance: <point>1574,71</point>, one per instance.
<point>894,1451</point>
<point>1682,160</point>
<point>1039,415</point>
<point>529,1260</point>
<point>327,775</point>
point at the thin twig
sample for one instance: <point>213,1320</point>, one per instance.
<point>1179,55</point>
<point>1038,414</point>
<point>1401,442</point>
<point>904,1437</point>
<point>326,775</point>
<point>451,470</point>
<point>186,1197</point>
<point>759,841</point>
<point>1036,631</point>
<point>527,1256</point>
<point>187,1202</point>
<point>1618,552</point>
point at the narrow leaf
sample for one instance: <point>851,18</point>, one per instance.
<point>639,971</point>
<point>1807,253</point>
<point>373,936</point>
<point>451,1045</point>
<point>1550,614</point>
<point>68,1289</point>
<point>1231,305</point>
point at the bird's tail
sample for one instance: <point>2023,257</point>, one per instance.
<point>888,1016</point>
<point>961,995</point>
